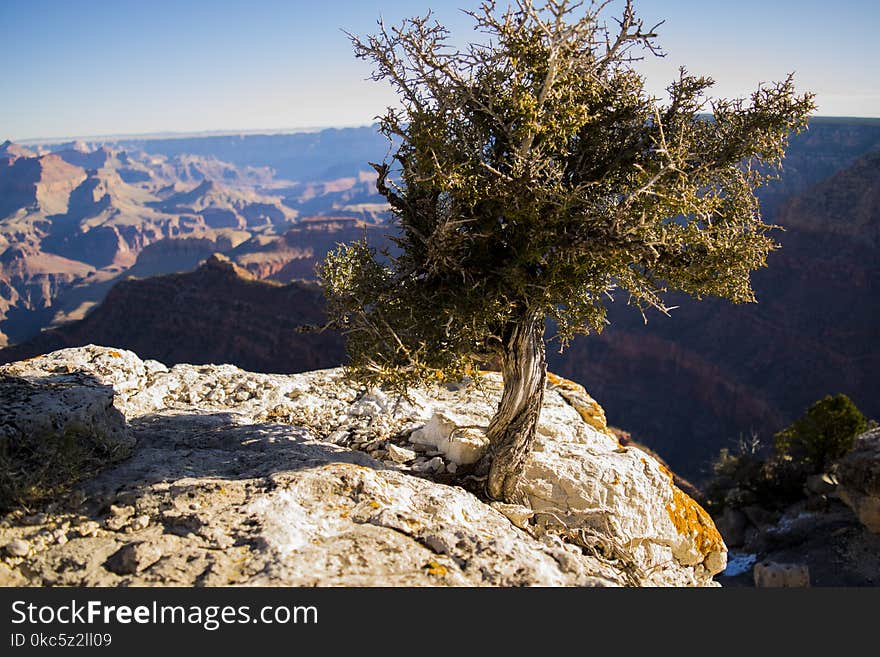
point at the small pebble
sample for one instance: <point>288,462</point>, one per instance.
<point>337,437</point>
<point>18,548</point>
<point>88,528</point>
<point>120,510</point>
<point>435,464</point>
<point>139,523</point>
<point>400,454</point>
<point>133,558</point>
<point>36,519</point>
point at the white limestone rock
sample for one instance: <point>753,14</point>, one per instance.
<point>17,548</point>
<point>449,433</point>
<point>627,498</point>
<point>122,370</point>
<point>347,525</point>
<point>56,426</point>
<point>400,454</point>
<point>266,505</point>
<point>244,478</point>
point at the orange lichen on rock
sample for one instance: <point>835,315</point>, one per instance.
<point>587,407</point>
<point>690,519</point>
<point>436,569</point>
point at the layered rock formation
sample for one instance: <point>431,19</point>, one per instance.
<point>96,209</point>
<point>199,317</point>
<point>296,253</point>
<point>32,280</point>
<point>244,478</point>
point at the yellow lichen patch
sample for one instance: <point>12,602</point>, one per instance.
<point>374,504</point>
<point>579,399</point>
<point>115,354</point>
<point>436,569</point>
<point>690,519</point>
<point>565,384</point>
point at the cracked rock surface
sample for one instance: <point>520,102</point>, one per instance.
<point>239,478</point>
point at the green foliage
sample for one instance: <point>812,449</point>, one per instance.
<point>823,434</point>
<point>383,315</point>
<point>535,175</point>
<point>750,475</point>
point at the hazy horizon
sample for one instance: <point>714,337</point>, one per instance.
<point>183,134</point>
<point>126,68</point>
<point>189,134</point>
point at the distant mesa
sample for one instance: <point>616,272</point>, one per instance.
<point>76,146</point>
<point>79,155</point>
<point>10,150</point>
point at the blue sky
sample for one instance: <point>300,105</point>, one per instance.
<point>99,67</point>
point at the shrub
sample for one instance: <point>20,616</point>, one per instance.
<point>822,435</point>
<point>773,478</point>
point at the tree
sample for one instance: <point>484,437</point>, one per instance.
<point>532,175</point>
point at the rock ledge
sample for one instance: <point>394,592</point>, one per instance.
<point>239,478</point>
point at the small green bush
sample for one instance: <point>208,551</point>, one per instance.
<point>774,478</point>
<point>822,435</point>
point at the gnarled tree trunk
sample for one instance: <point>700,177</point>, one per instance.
<point>512,430</point>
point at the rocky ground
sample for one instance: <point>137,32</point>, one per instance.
<point>225,477</point>
<point>831,536</point>
<point>830,544</point>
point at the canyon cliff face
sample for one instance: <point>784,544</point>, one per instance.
<point>30,281</point>
<point>83,215</point>
<point>216,314</point>
<point>296,254</point>
<point>222,477</point>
